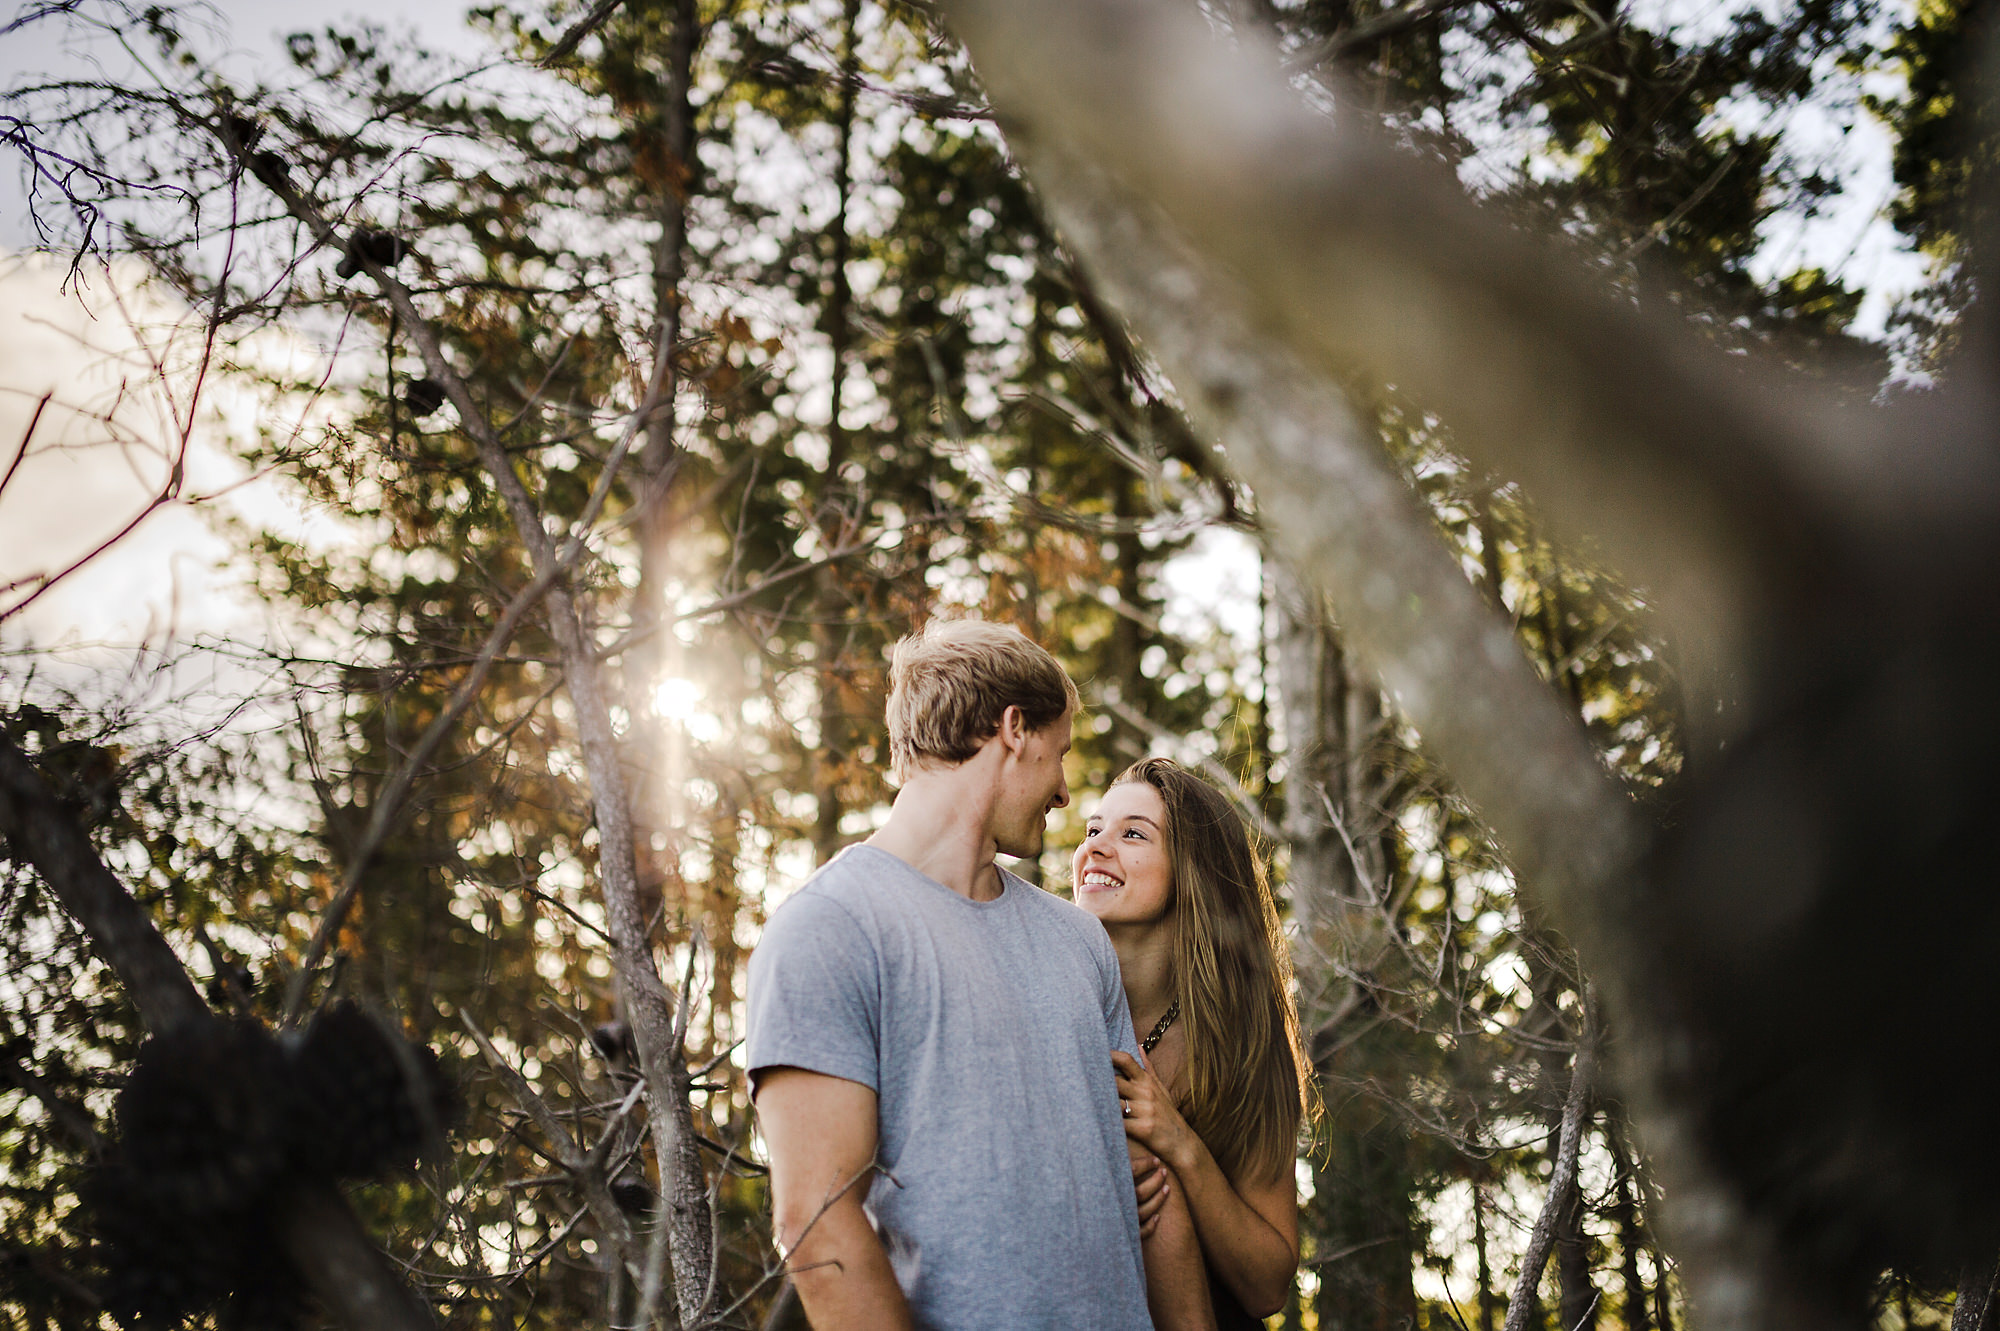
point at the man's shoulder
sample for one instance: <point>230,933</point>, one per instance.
<point>851,880</point>
<point>845,892</point>
<point>1060,913</point>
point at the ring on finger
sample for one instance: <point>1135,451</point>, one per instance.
<point>1125,1108</point>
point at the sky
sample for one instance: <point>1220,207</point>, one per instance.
<point>107,440</point>
<point>252,29</point>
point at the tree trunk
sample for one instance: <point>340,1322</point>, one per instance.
<point>1562,1180</point>
<point>1362,1218</point>
<point>648,1008</point>
<point>830,764</point>
<point>1625,1213</point>
<point>1487,1302</point>
<point>1362,1210</point>
<point>1973,1309</point>
<point>1579,1295</point>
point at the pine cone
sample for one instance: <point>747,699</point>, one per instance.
<point>423,396</point>
<point>272,169</point>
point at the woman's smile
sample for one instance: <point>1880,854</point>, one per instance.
<point>1122,873</point>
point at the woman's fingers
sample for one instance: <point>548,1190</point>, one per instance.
<point>1151,1118</point>
<point>1130,1069</point>
<point>1149,1183</point>
<point>1138,1098</point>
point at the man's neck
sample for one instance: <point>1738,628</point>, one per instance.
<point>939,827</point>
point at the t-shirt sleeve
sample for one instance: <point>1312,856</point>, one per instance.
<point>814,996</point>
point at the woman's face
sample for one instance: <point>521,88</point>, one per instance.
<point>1121,873</point>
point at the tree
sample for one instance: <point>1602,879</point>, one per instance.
<point>782,425</point>
<point>1363,262</point>
<point>484,739</point>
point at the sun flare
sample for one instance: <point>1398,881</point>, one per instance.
<point>675,696</point>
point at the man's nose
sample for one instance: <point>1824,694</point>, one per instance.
<point>1062,794</point>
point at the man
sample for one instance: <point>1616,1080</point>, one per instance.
<point>931,1036</point>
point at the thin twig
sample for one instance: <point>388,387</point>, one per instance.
<point>27,437</point>
<point>581,29</point>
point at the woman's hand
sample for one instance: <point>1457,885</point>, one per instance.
<point>1149,1182</point>
<point>1150,1116</point>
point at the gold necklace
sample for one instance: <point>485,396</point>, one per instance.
<point>1173,1010</point>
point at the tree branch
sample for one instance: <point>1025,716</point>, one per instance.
<point>47,835</point>
<point>388,804</point>
<point>647,1006</point>
<point>1252,812</point>
<point>1364,260</point>
<point>1562,1178</point>
<point>585,1169</point>
<point>1337,509</point>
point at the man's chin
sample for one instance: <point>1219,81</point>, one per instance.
<point>1024,846</point>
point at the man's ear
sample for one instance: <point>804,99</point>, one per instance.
<point>1013,729</point>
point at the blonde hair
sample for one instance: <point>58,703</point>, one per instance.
<point>950,681</point>
<point>1249,1084</point>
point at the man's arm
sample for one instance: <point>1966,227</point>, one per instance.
<point>821,1133</point>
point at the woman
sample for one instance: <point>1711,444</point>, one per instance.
<point>1166,865</point>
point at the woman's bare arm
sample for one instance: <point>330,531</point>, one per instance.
<point>1176,1283</point>
<point>1248,1228</point>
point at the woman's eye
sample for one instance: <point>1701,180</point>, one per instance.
<point>1135,832</point>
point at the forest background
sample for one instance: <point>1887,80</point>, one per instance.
<point>587,422</point>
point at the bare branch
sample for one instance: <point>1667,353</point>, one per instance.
<point>46,834</point>
<point>1337,509</point>
<point>585,1169</point>
<point>599,14</point>
<point>1562,1176</point>
<point>27,438</point>
<point>647,1005</point>
<point>1222,776</point>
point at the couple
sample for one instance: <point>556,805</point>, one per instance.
<point>965,1129</point>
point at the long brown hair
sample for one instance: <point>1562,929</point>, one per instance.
<point>1249,1085</point>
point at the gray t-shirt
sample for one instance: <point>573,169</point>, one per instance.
<point>985,1029</point>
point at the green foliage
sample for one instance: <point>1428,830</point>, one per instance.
<point>1940,159</point>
